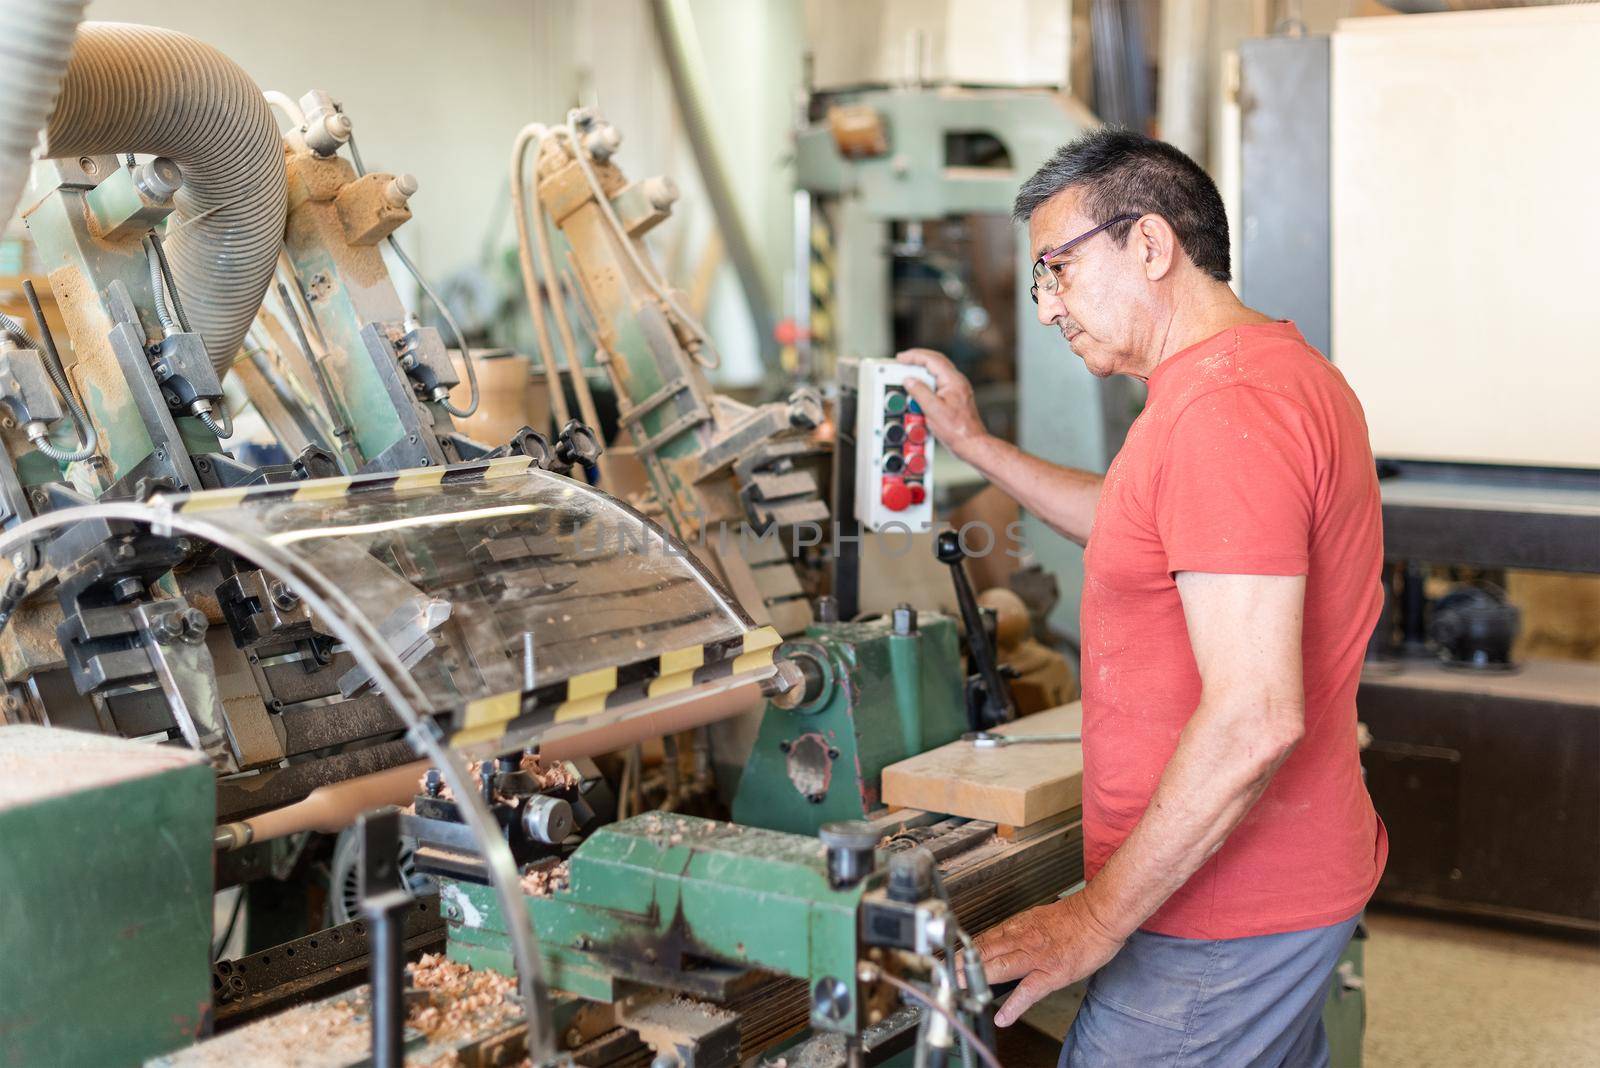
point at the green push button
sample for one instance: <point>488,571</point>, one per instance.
<point>894,403</point>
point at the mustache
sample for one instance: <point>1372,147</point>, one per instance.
<point>1068,326</point>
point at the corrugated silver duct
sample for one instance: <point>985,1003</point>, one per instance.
<point>140,89</point>
<point>35,41</point>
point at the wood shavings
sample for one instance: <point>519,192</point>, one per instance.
<point>545,881</point>
<point>559,775</point>
<point>675,830</point>
<point>456,993</point>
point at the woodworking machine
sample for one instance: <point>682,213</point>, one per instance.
<point>217,653</point>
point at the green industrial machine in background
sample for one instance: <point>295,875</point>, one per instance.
<point>877,692</point>
<point>871,160</point>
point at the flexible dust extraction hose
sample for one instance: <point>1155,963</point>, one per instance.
<point>142,89</point>
<point>35,44</point>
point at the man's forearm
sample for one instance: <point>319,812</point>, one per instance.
<point>1064,497</point>
<point>1209,785</point>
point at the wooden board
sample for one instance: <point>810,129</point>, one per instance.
<point>1015,785</point>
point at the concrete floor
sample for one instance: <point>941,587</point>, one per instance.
<point>1440,994</point>
<point>1455,994</point>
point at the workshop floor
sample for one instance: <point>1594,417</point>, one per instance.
<point>1455,994</point>
<point>1440,994</point>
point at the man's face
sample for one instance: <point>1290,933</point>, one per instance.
<point>1102,290</point>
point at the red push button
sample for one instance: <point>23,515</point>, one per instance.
<point>916,463</point>
<point>918,492</point>
<point>896,495</point>
<point>916,433</point>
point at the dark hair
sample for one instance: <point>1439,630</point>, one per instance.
<point>1122,172</point>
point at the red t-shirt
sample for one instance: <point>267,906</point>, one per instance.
<point>1251,458</point>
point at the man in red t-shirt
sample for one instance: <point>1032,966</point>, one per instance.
<point>1231,580</point>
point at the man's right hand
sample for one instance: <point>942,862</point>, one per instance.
<point>951,410</point>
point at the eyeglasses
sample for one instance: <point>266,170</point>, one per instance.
<point>1044,275</point>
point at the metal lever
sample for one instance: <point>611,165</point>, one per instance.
<point>384,901</point>
<point>988,696</point>
<point>990,740</point>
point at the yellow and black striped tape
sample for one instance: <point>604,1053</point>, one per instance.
<point>329,489</point>
<point>515,711</point>
<point>518,711</point>
<point>821,287</point>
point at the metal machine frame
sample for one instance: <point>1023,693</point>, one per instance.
<point>911,178</point>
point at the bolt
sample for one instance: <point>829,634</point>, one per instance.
<point>161,369</point>
<point>574,1038</point>
<point>905,620</point>
<point>830,998</point>
<point>785,745</point>
<point>184,545</point>
<point>649,956</point>
<point>581,942</point>
<point>451,911</point>
<point>167,628</point>
<point>89,166</point>
<point>281,595</point>
<point>433,782</point>
<point>815,799</point>
<point>126,588</point>
<point>194,624</point>
<point>8,422</point>
<point>833,754</point>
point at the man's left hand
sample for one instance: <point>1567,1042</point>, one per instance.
<point>1049,947</point>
